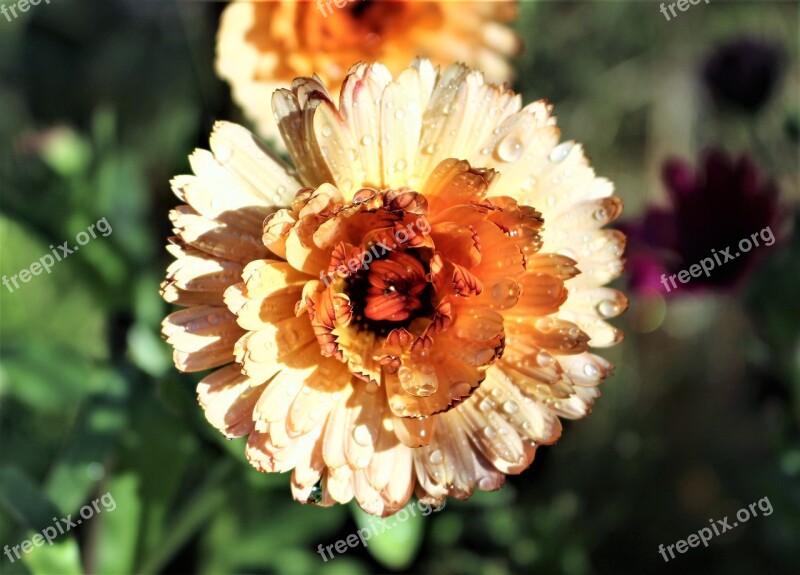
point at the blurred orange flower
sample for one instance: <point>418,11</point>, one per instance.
<point>264,45</point>
<point>445,355</point>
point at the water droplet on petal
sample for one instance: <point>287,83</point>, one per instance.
<point>315,495</point>
<point>401,165</point>
<point>366,141</point>
<point>485,484</point>
<point>560,152</point>
<point>486,405</point>
<point>510,148</point>
<point>591,370</point>
<point>436,457</point>
<point>430,149</point>
<point>399,114</point>
<point>510,407</point>
<point>489,431</point>
<point>505,292</point>
<point>544,359</point>
<point>361,435</point>
<point>544,324</point>
<point>608,308</point>
<point>327,130</point>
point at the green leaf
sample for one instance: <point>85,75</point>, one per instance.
<point>25,501</point>
<point>394,541</point>
<point>118,529</point>
<point>80,466</point>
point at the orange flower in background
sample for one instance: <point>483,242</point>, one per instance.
<point>264,45</point>
<point>411,307</point>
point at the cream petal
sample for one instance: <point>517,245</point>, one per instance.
<point>317,397</point>
<point>340,150</point>
<point>361,108</point>
<point>333,444</point>
<point>228,398</point>
<point>294,123</point>
<point>339,484</point>
<point>217,239</point>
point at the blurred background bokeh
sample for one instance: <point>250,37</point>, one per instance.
<point>101,101</point>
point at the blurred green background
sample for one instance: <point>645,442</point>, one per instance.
<point>101,101</point>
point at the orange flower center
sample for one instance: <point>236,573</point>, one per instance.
<point>395,287</point>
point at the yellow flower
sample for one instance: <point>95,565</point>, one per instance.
<point>264,45</point>
<point>411,307</point>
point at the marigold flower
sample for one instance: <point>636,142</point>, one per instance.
<point>264,45</point>
<point>411,307</point>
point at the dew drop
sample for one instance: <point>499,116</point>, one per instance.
<point>529,184</point>
<point>544,359</point>
<point>315,495</point>
<point>430,149</point>
<point>401,165</point>
<point>486,151</point>
<point>505,292</point>
<point>600,214</point>
<point>486,405</point>
<point>327,130</point>
<point>510,407</point>
<point>551,201</point>
<point>366,141</point>
<point>361,435</point>
<point>608,308</point>
<point>544,324</point>
<point>489,431</point>
<point>560,152</point>
<point>485,484</point>
<point>436,457</point>
<point>399,114</point>
<point>591,370</point>
<point>510,148</point>
<point>213,319</point>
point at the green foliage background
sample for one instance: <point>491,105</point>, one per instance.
<point>101,102</point>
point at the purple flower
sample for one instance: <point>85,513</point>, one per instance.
<point>743,73</point>
<point>713,211</point>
